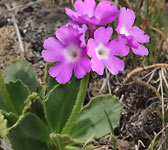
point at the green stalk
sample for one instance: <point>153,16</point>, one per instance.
<point>56,141</point>
<point>159,14</point>
<point>156,18</point>
<point>5,94</point>
<point>78,104</point>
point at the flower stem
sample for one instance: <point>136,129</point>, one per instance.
<point>91,31</point>
<point>5,94</point>
<point>78,105</point>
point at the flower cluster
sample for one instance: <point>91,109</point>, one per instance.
<point>72,53</point>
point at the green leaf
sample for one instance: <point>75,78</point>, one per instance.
<point>22,70</point>
<point>18,93</point>
<point>59,104</point>
<point>3,105</point>
<point>49,81</point>
<point>29,133</point>
<point>41,91</point>
<point>35,105</point>
<point>10,117</point>
<point>92,122</point>
<point>63,141</point>
<point>5,101</point>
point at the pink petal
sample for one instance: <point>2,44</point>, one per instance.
<point>105,12</point>
<point>82,38</point>
<point>62,72</point>
<point>86,7</point>
<point>126,19</point>
<point>90,7</point>
<point>68,35</point>
<point>140,50</point>
<point>114,65</point>
<point>72,14</point>
<point>118,47</point>
<point>97,66</point>
<point>103,35</point>
<point>139,35</point>
<point>75,16</point>
<point>53,50</point>
<point>80,7</point>
<point>82,67</point>
<point>85,12</point>
<point>81,28</point>
<point>88,20</point>
<point>55,70</point>
<point>91,47</point>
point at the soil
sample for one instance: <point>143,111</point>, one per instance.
<point>140,119</point>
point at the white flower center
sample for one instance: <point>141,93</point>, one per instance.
<point>102,52</point>
<point>124,31</point>
<point>72,53</point>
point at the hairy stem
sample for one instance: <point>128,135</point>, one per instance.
<point>78,105</point>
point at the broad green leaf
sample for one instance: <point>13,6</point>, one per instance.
<point>59,104</point>
<point>10,117</point>
<point>29,133</point>
<point>18,93</point>
<point>22,70</point>
<point>63,141</point>
<point>92,122</point>
<point>35,105</point>
<point>49,81</point>
<point>3,105</point>
<point>41,91</point>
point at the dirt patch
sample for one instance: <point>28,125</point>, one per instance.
<point>9,49</point>
<point>36,22</point>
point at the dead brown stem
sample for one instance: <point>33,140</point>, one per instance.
<point>139,70</point>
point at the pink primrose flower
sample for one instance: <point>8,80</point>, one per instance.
<point>133,34</point>
<point>82,28</point>
<point>102,52</point>
<point>87,12</point>
<point>68,52</point>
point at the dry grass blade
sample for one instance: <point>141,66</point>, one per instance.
<point>20,8</point>
<point>163,34</point>
<point>108,81</point>
<point>164,78</point>
<point>17,29</point>
<point>139,70</point>
<point>102,147</point>
<point>151,146</point>
<point>153,6</point>
<point>159,13</point>
<point>162,98</point>
<point>139,144</point>
<point>83,148</point>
